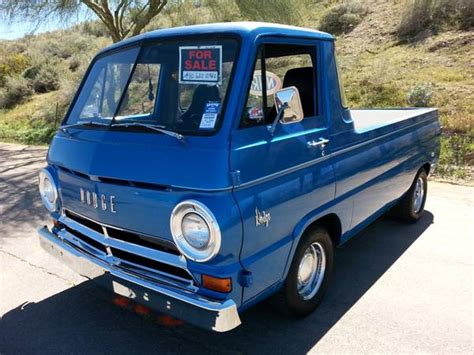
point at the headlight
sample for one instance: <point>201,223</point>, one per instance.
<point>195,231</point>
<point>48,190</point>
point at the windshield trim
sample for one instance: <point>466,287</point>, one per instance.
<point>125,88</point>
<point>156,40</point>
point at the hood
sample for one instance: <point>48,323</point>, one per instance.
<point>133,177</point>
<point>152,158</point>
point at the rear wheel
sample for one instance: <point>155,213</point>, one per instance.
<point>411,207</point>
<point>309,274</point>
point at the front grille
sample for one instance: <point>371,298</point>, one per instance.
<point>116,245</point>
<point>125,235</point>
<point>84,221</point>
<point>149,263</point>
<point>92,242</point>
<point>142,240</point>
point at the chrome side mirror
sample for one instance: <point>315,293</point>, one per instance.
<point>294,110</point>
<point>289,108</point>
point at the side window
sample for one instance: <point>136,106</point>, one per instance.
<point>105,94</point>
<point>92,106</point>
<point>140,96</point>
<point>283,66</point>
<point>253,112</point>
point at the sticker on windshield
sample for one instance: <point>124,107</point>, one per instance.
<point>200,65</point>
<point>209,117</point>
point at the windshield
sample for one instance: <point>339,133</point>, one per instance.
<point>179,85</point>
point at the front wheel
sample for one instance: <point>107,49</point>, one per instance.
<point>411,207</point>
<point>309,274</point>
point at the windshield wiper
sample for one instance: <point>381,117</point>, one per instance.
<point>157,128</point>
<point>82,123</point>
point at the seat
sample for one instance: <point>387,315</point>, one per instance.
<point>202,95</point>
<point>303,80</point>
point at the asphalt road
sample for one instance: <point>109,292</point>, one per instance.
<point>396,289</point>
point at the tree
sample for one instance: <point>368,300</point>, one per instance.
<point>122,18</point>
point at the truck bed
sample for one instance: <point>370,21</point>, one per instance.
<point>370,119</point>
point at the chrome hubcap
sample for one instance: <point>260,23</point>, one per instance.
<point>419,194</point>
<point>311,271</point>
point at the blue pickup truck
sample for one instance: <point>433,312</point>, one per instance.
<point>202,169</point>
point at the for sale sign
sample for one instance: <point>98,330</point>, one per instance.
<point>200,64</point>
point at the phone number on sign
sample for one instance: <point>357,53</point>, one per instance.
<point>202,75</point>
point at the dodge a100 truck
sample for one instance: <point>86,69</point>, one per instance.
<point>202,169</point>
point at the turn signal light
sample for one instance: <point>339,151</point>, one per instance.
<point>216,284</point>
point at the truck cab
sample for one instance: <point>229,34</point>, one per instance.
<point>202,169</point>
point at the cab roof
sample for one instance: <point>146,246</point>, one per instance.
<point>244,29</point>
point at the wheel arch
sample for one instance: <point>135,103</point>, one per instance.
<point>331,222</point>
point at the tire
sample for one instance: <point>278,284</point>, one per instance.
<point>411,207</point>
<point>294,298</point>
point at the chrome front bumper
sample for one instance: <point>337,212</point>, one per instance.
<point>190,307</point>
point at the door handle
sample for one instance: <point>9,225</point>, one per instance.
<point>321,143</point>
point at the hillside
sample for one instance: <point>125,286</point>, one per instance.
<point>373,60</point>
<point>379,69</point>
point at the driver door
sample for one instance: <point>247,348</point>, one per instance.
<point>279,173</point>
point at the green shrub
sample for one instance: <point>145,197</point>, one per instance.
<point>383,96</point>
<point>31,72</point>
<point>74,64</point>
<point>223,10</point>
<point>466,14</point>
<point>182,13</point>
<point>12,65</point>
<point>277,11</point>
<point>420,95</point>
<point>371,94</point>
<point>456,157</point>
<point>16,91</point>
<point>43,78</point>
<point>425,17</point>
<point>343,18</point>
<point>456,149</point>
<point>35,132</point>
<point>94,28</point>
<point>52,112</point>
<point>40,133</point>
<point>58,50</point>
